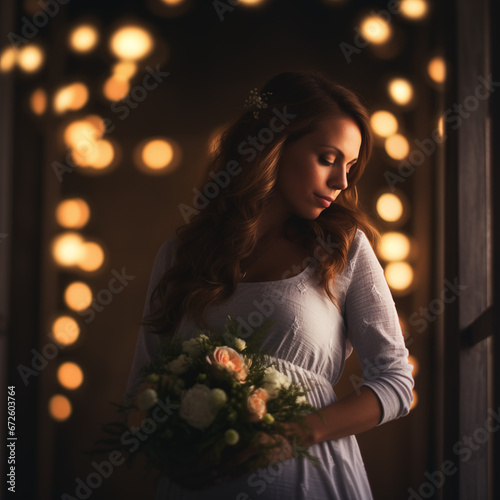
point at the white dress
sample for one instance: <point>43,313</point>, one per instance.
<point>310,342</point>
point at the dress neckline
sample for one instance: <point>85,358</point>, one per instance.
<point>275,281</point>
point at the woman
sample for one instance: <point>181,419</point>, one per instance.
<point>282,238</point>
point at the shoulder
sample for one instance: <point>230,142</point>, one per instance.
<point>167,250</point>
<point>360,254</point>
<point>360,248</point>
<point>165,257</point>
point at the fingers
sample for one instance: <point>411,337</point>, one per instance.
<point>235,461</point>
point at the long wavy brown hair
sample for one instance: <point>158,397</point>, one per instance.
<point>211,245</point>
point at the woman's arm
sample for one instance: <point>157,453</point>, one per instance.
<point>147,343</point>
<point>374,331</point>
<point>358,412</point>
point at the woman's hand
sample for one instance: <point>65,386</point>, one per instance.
<point>203,471</point>
<point>277,448</point>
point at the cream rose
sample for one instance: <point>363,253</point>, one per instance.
<point>256,404</point>
<point>192,347</point>
<point>301,399</point>
<point>274,381</point>
<point>228,359</point>
<point>147,399</point>
<point>179,365</point>
<point>196,408</point>
<point>240,344</point>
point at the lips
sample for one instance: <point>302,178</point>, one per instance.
<point>326,201</point>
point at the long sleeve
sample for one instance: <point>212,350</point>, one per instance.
<point>147,343</point>
<point>374,331</point>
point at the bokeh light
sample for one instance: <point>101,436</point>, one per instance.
<point>8,59</point>
<point>78,296</point>
<point>92,257</point>
<point>38,101</point>
<point>414,9</point>
<point>131,43</point>
<point>437,69</point>
<point>83,137</point>
<point>401,91</point>
<point>124,70</point>
<point>67,248</point>
<point>73,97</point>
<point>65,330</point>
<point>441,127</point>
<point>375,29</point>
<point>116,87</point>
<point>157,155</point>
<point>105,154</point>
<point>30,58</point>
<point>83,38</point>
<point>60,407</point>
<point>79,133</point>
<point>399,275</point>
<point>397,146</point>
<point>73,213</point>
<point>70,375</point>
<point>98,155</point>
<point>389,207</point>
<point>394,246</point>
<point>384,123</point>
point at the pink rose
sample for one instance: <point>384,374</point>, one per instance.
<point>256,404</point>
<point>228,359</point>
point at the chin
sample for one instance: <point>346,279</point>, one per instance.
<point>313,214</point>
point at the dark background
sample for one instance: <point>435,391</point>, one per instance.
<point>213,65</point>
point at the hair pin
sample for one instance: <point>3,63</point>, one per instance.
<point>256,101</point>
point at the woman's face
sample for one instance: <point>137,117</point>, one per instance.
<point>316,166</point>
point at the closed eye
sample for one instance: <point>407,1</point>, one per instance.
<point>324,161</point>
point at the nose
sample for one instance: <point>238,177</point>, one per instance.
<point>338,177</point>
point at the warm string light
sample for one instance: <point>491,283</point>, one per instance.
<point>394,246</point>
<point>414,9</point>
<point>89,149</point>
<point>384,123</point>
<point>401,91</point>
<point>157,155</point>
<point>375,29</point>
<point>84,38</point>
<point>390,207</point>
<point>29,58</point>
<point>131,43</point>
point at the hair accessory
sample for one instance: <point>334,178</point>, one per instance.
<point>256,101</point>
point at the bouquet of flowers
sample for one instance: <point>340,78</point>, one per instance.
<point>207,394</point>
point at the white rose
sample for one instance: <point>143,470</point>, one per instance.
<point>195,407</point>
<point>147,399</point>
<point>274,381</point>
<point>301,399</point>
<point>240,344</point>
<point>192,347</point>
<point>179,365</point>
